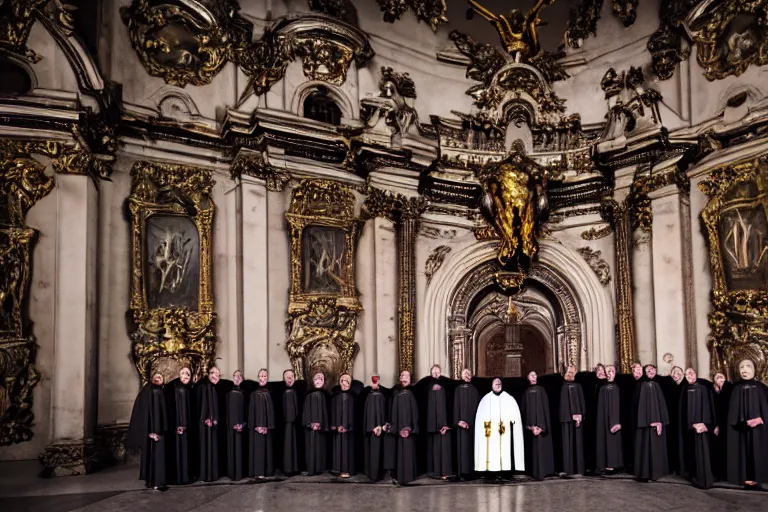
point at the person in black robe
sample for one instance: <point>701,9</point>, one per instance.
<point>235,430</point>
<point>651,434</point>
<point>179,403</point>
<point>405,425</point>
<point>747,430</point>
<point>609,451</point>
<point>290,419</point>
<point>374,424</point>
<point>591,383</point>
<point>672,386</point>
<point>207,400</point>
<point>697,424</point>
<point>630,388</point>
<point>316,426</point>
<point>146,432</point>
<point>572,412</point>
<point>261,423</point>
<point>438,427</point>
<point>465,402</point>
<point>721,391</point>
<point>343,427</point>
<point>540,460</point>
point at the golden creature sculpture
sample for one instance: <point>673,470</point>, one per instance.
<point>736,218</point>
<point>172,260</point>
<point>515,191</point>
<point>518,31</point>
<point>324,303</point>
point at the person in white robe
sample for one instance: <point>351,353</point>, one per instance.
<point>498,432</point>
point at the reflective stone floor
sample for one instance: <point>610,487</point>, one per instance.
<point>117,490</point>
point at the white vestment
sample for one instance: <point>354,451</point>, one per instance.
<point>494,453</point>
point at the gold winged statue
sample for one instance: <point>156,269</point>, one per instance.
<point>517,30</point>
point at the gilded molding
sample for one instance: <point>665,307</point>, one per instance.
<point>18,16</point>
<point>638,200</point>
<point>265,60</point>
<point>666,44</point>
<point>721,49</point>
<point>185,42</point>
<point>23,182</point>
<point>404,212</point>
<point>738,321</point>
<point>256,165</point>
<point>598,265</point>
<point>435,261</point>
<point>595,233</point>
<point>323,305</point>
<point>168,335</point>
<point>431,12</point>
<point>619,217</point>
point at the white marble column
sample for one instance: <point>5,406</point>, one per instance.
<point>702,277</point>
<point>255,276</point>
<point>671,276</point>
<point>386,301</point>
<point>75,375</point>
<point>642,291</point>
<point>366,363</point>
<point>229,282</point>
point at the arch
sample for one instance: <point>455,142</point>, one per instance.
<point>23,78</point>
<point>587,325</point>
<point>335,93</point>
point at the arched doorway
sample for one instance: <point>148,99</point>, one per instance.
<point>580,329</point>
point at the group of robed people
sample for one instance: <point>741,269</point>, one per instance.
<point>603,423</point>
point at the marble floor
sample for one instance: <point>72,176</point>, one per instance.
<point>117,490</point>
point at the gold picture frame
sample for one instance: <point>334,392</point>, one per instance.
<point>324,303</point>
<point>739,320</point>
<point>175,320</point>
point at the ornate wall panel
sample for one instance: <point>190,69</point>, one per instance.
<point>171,274</point>
<point>23,182</point>
<point>324,304</point>
<point>736,219</point>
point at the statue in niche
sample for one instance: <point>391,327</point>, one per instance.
<point>173,262</point>
<point>744,244</point>
<point>518,32</point>
<point>323,259</point>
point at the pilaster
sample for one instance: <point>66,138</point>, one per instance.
<point>74,400</point>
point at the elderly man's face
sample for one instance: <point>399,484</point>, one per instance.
<point>650,371</point>
<point>405,378</point>
<point>157,379</point>
<point>637,371</point>
<point>677,375</point>
<point>318,380</point>
<point>345,382</point>
<point>719,380</point>
<point>214,375</point>
<point>466,375</point>
<point>570,374</point>
<point>263,378</point>
<point>237,378</point>
<point>497,385</point>
<point>690,375</point>
<point>435,372</point>
<point>533,378</point>
<point>185,375</point>
<point>747,369</point>
<point>610,372</point>
<point>289,378</point>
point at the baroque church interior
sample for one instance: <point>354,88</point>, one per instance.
<point>368,187</point>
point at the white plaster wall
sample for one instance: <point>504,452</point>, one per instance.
<point>702,276</point>
<point>386,301</point>
<point>642,294</point>
<point>279,259</point>
<point>118,379</point>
